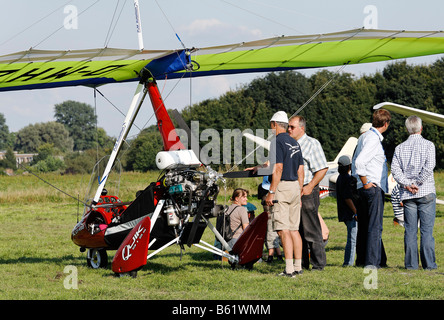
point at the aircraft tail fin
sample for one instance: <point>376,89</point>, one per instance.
<point>347,149</point>
<point>132,253</point>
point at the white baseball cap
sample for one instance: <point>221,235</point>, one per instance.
<point>280,116</point>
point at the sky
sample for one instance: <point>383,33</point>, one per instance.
<point>50,25</point>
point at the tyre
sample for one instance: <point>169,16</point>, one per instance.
<point>97,258</point>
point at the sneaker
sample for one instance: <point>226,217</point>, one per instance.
<point>270,259</point>
<point>297,273</point>
<point>290,275</point>
<point>285,274</point>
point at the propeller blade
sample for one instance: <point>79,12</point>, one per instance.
<point>243,174</point>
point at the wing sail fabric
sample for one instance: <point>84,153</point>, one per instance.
<point>34,69</point>
<point>350,47</point>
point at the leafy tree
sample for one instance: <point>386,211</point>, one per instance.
<point>418,87</point>
<point>338,111</point>
<point>46,161</point>
<point>9,162</point>
<point>104,141</point>
<point>4,132</point>
<point>80,121</point>
<point>31,137</point>
<point>141,155</point>
<point>82,161</point>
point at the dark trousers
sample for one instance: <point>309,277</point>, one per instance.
<point>369,246</point>
<point>313,250</point>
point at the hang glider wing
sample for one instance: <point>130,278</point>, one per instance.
<point>426,116</point>
<point>34,69</point>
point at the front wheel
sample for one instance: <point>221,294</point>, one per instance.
<point>97,258</point>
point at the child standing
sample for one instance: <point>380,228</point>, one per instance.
<point>346,195</point>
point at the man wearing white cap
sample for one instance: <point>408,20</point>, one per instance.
<point>286,162</point>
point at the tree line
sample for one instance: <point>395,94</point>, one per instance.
<point>333,116</point>
<point>338,112</point>
<point>65,144</point>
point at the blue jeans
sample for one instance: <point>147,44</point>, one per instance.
<point>350,247</point>
<point>422,209</point>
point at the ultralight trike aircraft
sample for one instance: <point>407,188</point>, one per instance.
<point>176,209</point>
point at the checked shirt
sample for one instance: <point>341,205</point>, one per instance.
<point>413,162</point>
<point>314,157</point>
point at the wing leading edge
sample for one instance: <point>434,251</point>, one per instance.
<point>426,116</point>
<point>34,69</point>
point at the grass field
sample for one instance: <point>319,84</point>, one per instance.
<point>35,248</point>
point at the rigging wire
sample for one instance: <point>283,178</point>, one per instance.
<point>33,24</point>
<point>260,16</point>
<point>58,29</point>
<point>171,25</point>
<point>50,184</point>
<point>110,24</point>
<point>333,77</point>
<point>115,107</point>
<point>309,16</point>
<point>109,35</point>
<point>97,129</point>
<point>325,85</point>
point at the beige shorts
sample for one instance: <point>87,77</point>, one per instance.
<point>287,211</point>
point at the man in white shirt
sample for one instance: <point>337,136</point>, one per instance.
<point>369,166</point>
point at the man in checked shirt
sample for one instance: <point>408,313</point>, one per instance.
<point>315,168</point>
<point>412,167</point>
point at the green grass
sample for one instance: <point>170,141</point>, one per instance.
<point>35,248</point>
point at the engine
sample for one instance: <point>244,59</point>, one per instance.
<point>187,190</point>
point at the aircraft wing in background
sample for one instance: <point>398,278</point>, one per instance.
<point>327,185</point>
<point>426,116</point>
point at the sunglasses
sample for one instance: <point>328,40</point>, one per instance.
<point>292,127</point>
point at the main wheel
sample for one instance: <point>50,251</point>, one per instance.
<point>97,258</point>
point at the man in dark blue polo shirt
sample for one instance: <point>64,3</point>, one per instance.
<point>287,166</point>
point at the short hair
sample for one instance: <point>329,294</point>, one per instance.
<point>413,124</point>
<point>302,121</point>
<point>380,118</point>
<point>282,124</point>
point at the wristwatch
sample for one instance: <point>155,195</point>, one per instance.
<point>271,191</point>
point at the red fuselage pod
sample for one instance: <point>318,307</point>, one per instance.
<point>90,231</point>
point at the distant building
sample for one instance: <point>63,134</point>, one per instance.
<point>20,158</point>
